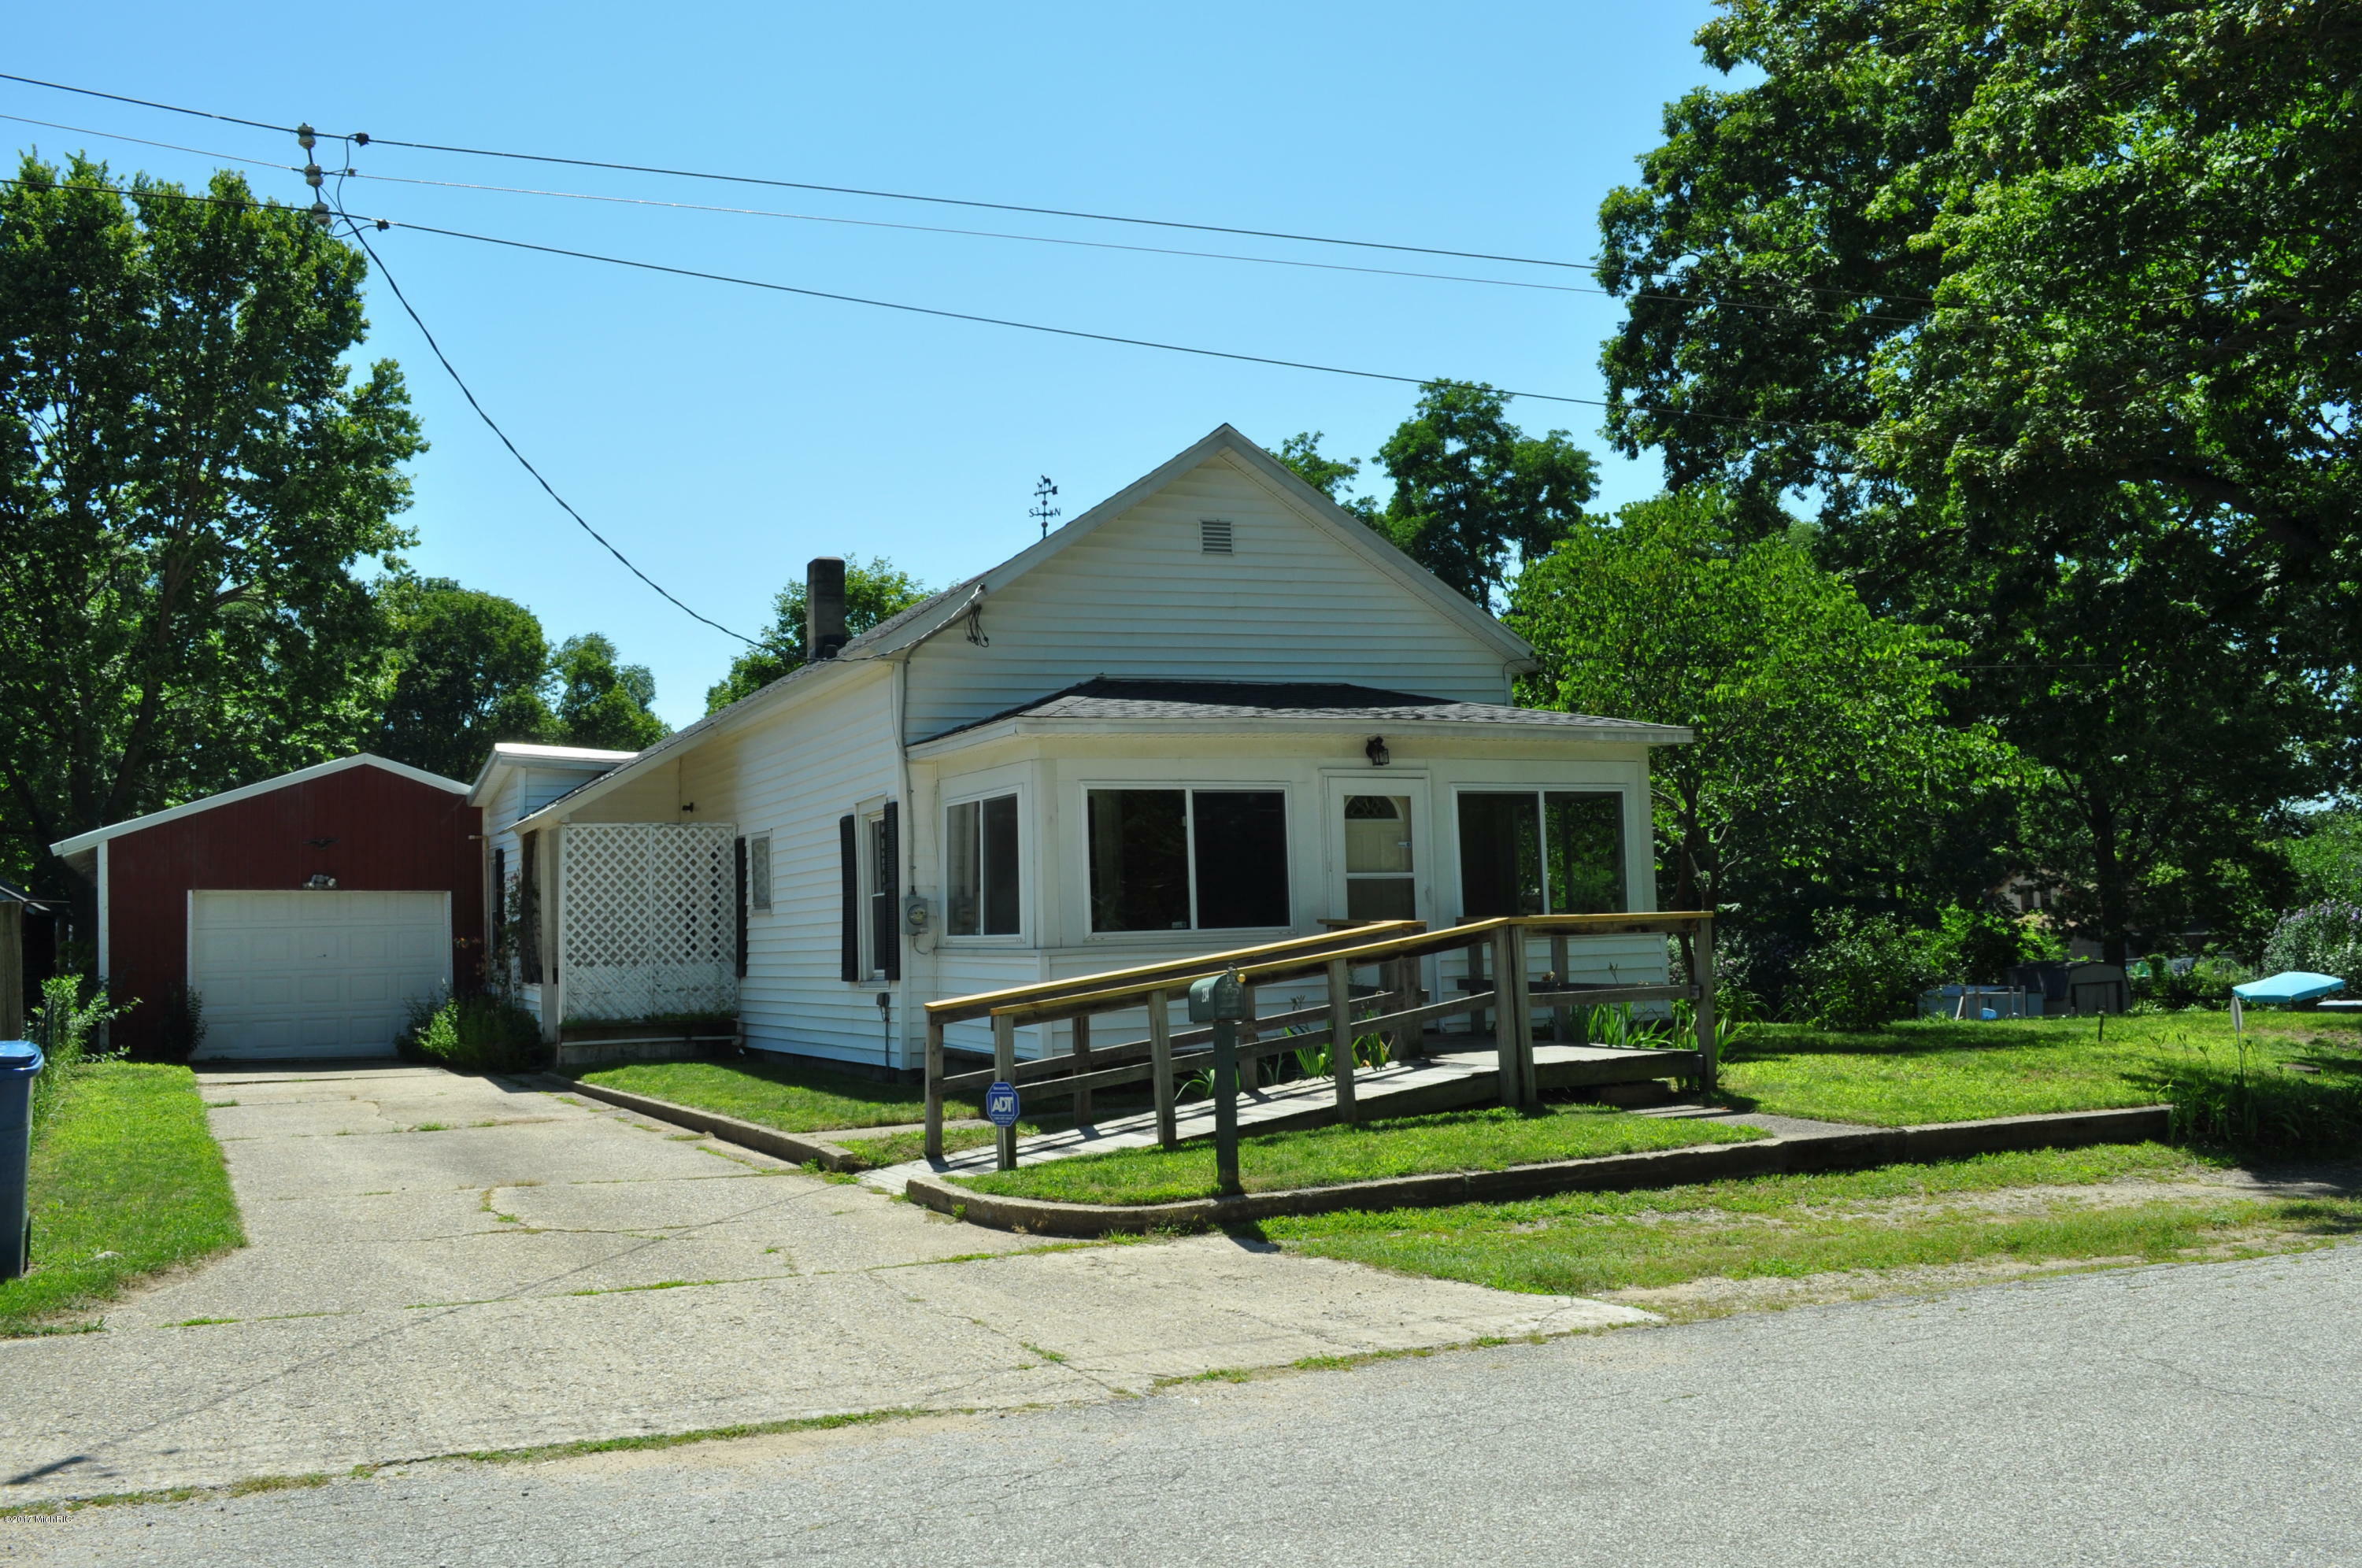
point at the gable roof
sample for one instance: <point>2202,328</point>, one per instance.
<point>1295,705</point>
<point>901,631</point>
<point>96,836</point>
<point>556,758</point>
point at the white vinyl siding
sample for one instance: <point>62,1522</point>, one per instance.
<point>1141,597</point>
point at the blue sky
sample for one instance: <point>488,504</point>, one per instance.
<point>721,436</point>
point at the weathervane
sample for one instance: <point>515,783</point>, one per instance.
<point>1042,510</point>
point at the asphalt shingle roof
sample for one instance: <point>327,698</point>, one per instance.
<point>1284,701</point>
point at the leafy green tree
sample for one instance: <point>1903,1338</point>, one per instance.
<point>2052,307</point>
<point>601,702</point>
<point>875,591</point>
<point>1822,766</point>
<point>2325,857</point>
<point>189,473</point>
<point>1473,495</point>
<point>469,668</point>
<point>1332,477</point>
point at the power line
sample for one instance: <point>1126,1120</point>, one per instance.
<point>930,228</point>
<point>493,425</point>
<point>365,139</point>
<point>1023,325</point>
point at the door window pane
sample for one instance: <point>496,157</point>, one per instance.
<point>1241,858</point>
<point>1000,912</point>
<point>1378,866</point>
<point>1586,851</point>
<point>963,871</point>
<point>1500,855</point>
<point>1140,860</point>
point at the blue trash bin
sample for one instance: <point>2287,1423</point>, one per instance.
<point>20,1060</point>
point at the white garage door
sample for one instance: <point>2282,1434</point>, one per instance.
<point>325,974</point>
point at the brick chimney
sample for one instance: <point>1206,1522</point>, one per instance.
<point>823,608</point>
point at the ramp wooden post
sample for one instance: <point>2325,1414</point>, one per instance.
<point>1406,1038</point>
<point>1340,1036</point>
<point>1082,1106</point>
<point>935,1090</point>
<point>1250,1065</point>
<point>1004,1067</point>
<point>1476,983</point>
<point>1561,1016</point>
<point>1512,1032</point>
<point>1160,1067</point>
<point>1702,978</point>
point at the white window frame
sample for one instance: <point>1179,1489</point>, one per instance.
<point>975,794</point>
<point>1189,789</point>
<point>1632,904</point>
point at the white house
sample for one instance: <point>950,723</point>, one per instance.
<point>1212,710</point>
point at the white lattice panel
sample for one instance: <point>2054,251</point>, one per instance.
<point>650,924</point>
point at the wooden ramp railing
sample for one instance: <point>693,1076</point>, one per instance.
<point>1499,947</point>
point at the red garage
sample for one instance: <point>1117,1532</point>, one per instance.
<point>304,910</point>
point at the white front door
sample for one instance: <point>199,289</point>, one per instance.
<point>1380,862</point>
<point>297,975</point>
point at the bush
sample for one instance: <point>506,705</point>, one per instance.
<point>486,1032</point>
<point>64,1026</point>
<point>2256,1107</point>
<point>1864,971</point>
<point>2325,938</point>
<point>182,1030</point>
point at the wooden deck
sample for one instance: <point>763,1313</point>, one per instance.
<point>1463,1070</point>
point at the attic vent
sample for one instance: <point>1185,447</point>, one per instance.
<point>1214,535</point>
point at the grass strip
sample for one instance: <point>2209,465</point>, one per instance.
<point>1458,1141</point>
<point>127,1179</point>
<point>1932,1070</point>
<point>1891,1217</point>
<point>788,1096</point>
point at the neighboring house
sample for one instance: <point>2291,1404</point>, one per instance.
<point>1212,710</point>
<point>28,953</point>
<point>305,909</point>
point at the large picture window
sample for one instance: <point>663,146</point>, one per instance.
<point>1541,852</point>
<point>1188,859</point>
<point>980,844</point>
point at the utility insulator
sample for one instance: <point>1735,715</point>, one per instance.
<point>305,138</point>
<point>311,175</point>
<point>320,214</point>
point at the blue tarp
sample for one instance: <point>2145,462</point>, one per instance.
<point>2289,986</point>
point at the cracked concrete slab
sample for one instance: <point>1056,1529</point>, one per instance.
<point>570,1273</point>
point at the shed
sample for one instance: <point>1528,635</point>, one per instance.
<point>304,910</point>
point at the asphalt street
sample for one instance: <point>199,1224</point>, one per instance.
<point>2203,1414</point>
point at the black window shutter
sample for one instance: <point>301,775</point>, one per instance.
<point>741,909</point>
<point>889,890</point>
<point>849,850</point>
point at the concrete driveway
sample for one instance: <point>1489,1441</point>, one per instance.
<point>442,1263</point>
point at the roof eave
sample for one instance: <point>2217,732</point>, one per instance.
<point>1024,726</point>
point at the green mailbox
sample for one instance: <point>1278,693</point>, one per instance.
<point>1217,997</point>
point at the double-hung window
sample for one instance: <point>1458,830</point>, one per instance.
<point>1189,859</point>
<point>1541,852</point>
<point>980,851</point>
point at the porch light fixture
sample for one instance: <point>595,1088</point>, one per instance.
<point>1376,751</point>
<point>320,882</point>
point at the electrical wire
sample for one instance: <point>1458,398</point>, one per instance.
<point>1023,326</point>
<point>363,139</point>
<point>527,463</point>
<point>930,228</point>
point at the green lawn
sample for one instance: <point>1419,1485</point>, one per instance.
<point>1458,1141</point>
<point>1971,1210</point>
<point>1935,1071</point>
<point>791,1096</point>
<point>127,1179</point>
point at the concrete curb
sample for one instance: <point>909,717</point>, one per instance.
<point>1661,1167</point>
<point>788,1146</point>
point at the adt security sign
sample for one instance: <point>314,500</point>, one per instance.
<point>1000,1105</point>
